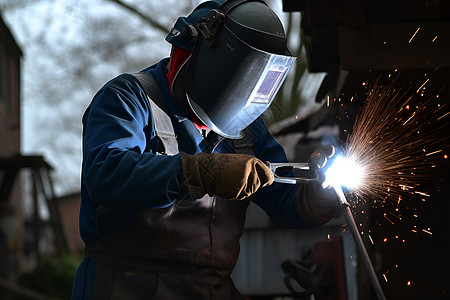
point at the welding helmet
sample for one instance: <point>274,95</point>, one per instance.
<point>239,61</point>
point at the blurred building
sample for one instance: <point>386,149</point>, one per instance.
<point>30,221</point>
<point>10,55</point>
<point>69,208</point>
<point>10,233</point>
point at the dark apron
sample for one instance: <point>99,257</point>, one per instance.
<point>185,251</point>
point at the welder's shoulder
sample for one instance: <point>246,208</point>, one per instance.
<point>123,83</point>
<point>125,89</point>
<point>118,93</point>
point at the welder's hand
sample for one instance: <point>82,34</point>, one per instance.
<point>316,204</point>
<point>231,176</point>
<point>319,158</point>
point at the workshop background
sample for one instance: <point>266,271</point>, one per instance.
<point>54,55</point>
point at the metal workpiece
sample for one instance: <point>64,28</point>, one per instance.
<point>346,211</point>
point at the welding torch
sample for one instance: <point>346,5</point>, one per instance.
<point>305,173</point>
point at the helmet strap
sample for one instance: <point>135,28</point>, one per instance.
<point>210,26</point>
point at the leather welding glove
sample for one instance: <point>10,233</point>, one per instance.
<point>319,158</point>
<point>315,203</point>
<point>231,176</point>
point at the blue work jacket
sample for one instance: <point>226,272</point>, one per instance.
<point>121,175</point>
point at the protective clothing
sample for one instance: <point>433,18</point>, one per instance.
<point>232,176</point>
<point>145,236</point>
<point>316,204</point>
<point>124,175</point>
<point>172,253</point>
<point>184,251</point>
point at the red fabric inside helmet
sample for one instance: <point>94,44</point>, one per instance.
<point>178,57</point>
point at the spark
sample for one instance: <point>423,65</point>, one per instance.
<point>371,240</point>
<point>439,65</point>
<point>422,193</point>
<point>390,133</point>
<point>405,187</point>
<point>427,231</point>
<point>395,216</point>
<point>412,116</point>
<point>422,85</point>
<point>434,39</point>
<point>388,219</point>
<point>385,278</point>
<point>443,116</point>
<point>437,151</point>
<point>413,35</point>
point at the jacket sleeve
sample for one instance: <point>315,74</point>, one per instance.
<point>277,200</point>
<point>117,170</point>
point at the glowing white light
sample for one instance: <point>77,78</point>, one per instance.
<point>344,172</point>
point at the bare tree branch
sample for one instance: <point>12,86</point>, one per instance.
<point>143,16</point>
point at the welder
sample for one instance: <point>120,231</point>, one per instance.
<point>171,161</point>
